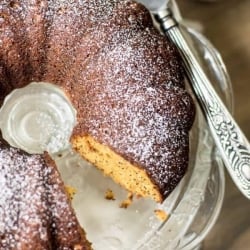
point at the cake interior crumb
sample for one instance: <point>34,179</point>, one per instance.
<point>128,201</point>
<point>109,195</point>
<point>71,191</point>
<point>161,214</point>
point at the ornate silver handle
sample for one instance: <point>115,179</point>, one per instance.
<point>233,145</point>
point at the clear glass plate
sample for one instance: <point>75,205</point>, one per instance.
<point>193,206</point>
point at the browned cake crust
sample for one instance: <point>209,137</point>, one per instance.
<point>35,211</point>
<point>122,76</point>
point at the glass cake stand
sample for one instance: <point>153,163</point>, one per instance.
<point>191,209</point>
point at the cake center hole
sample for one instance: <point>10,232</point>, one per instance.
<point>38,118</point>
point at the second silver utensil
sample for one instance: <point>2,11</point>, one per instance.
<point>230,140</point>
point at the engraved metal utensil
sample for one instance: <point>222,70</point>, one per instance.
<point>230,140</point>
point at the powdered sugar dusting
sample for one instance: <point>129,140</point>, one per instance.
<point>135,101</point>
<point>34,209</point>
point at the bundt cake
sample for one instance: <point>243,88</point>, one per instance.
<point>124,79</point>
<point>35,211</point>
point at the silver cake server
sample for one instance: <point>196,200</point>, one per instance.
<point>230,140</point>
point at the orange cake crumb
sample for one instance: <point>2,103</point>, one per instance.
<point>109,195</point>
<point>161,214</point>
<point>127,202</point>
<point>71,191</point>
